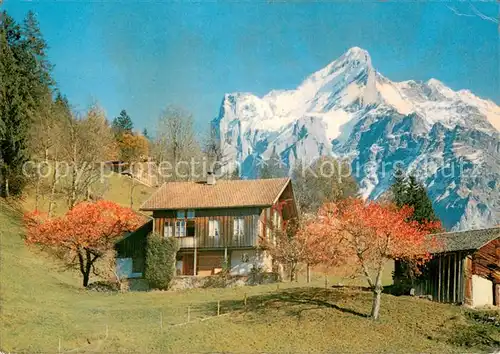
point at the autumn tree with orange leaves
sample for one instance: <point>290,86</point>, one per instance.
<point>83,235</point>
<point>369,234</point>
<point>133,147</point>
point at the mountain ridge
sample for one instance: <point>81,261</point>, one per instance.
<point>349,110</point>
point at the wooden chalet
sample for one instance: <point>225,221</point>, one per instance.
<point>218,221</point>
<point>465,268</point>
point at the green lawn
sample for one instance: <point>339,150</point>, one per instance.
<point>44,309</point>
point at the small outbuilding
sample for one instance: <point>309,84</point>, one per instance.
<point>465,268</point>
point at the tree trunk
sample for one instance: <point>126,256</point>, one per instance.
<point>292,271</point>
<point>74,176</point>
<point>55,178</point>
<point>7,193</point>
<point>86,277</point>
<point>37,192</point>
<point>308,273</point>
<point>377,295</point>
<point>132,192</point>
<point>85,259</point>
<point>72,200</point>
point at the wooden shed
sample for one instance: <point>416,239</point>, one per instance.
<point>130,252</point>
<point>465,269</point>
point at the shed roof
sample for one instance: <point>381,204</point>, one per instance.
<point>465,240</point>
<point>222,194</point>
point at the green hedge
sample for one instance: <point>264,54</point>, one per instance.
<point>160,261</point>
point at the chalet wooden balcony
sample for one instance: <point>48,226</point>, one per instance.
<point>216,242</point>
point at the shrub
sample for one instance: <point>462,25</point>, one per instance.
<point>160,261</point>
<point>104,286</point>
<point>216,281</point>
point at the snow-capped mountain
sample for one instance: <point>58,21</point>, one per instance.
<point>449,139</point>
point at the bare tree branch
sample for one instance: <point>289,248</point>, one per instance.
<point>476,13</point>
<point>481,15</point>
<point>455,11</point>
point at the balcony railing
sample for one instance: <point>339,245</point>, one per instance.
<point>186,242</point>
<point>214,242</point>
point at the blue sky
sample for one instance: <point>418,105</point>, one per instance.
<point>143,56</point>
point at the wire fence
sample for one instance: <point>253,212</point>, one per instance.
<point>192,315</point>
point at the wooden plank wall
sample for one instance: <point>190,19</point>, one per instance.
<point>133,247</point>
<point>226,226</point>
<point>451,276</point>
<point>446,279</point>
<point>486,261</point>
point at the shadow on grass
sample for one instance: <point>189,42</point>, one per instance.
<point>292,301</point>
<point>13,210</point>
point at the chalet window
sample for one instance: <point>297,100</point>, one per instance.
<point>180,228</point>
<point>238,228</point>
<point>168,230</point>
<point>185,225</point>
<point>213,228</point>
<point>190,227</point>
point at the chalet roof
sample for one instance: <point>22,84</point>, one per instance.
<point>222,194</point>
<point>465,240</point>
<point>144,229</point>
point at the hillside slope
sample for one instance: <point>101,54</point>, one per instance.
<point>44,310</point>
<point>449,139</point>
<point>115,187</point>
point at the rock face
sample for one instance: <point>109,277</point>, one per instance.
<point>449,139</point>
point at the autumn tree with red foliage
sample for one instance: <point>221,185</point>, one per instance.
<point>369,234</point>
<point>83,235</point>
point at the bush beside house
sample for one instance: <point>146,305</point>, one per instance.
<point>160,261</point>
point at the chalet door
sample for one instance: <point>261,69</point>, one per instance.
<point>188,264</point>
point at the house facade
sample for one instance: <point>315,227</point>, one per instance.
<point>220,222</point>
<point>464,269</point>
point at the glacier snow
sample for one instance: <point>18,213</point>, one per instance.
<point>449,139</point>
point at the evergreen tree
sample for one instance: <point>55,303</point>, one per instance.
<point>26,96</point>
<point>36,47</point>
<point>398,189</point>
<point>15,125</point>
<point>145,133</point>
<point>62,106</point>
<point>122,124</point>
<point>408,191</point>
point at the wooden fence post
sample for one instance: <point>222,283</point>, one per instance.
<point>189,313</point>
<point>218,308</point>
<point>245,300</point>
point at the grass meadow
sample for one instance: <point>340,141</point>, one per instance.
<point>45,310</point>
